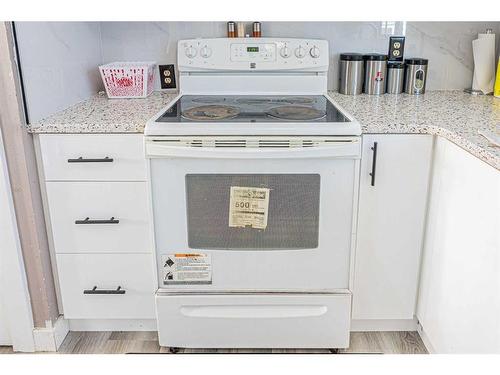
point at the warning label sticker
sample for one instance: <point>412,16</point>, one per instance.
<point>248,207</point>
<point>187,269</point>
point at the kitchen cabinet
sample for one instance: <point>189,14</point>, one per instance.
<point>459,297</point>
<point>97,208</point>
<point>394,183</point>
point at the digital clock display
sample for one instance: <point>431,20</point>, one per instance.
<point>252,49</point>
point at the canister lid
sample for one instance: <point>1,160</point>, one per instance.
<point>395,65</point>
<point>351,56</point>
<point>375,57</point>
<point>416,61</point>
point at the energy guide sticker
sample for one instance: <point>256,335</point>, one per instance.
<point>187,269</point>
<point>248,207</point>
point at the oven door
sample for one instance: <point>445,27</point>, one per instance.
<point>269,218</point>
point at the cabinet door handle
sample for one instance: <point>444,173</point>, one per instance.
<point>94,290</point>
<point>374,163</point>
<point>87,220</point>
<point>81,159</point>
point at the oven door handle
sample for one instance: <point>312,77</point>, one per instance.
<point>342,149</point>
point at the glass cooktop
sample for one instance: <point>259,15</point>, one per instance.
<point>252,108</point>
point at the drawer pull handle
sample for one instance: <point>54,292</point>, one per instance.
<point>374,163</point>
<point>107,159</point>
<point>87,220</point>
<point>94,290</point>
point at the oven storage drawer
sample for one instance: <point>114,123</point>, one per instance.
<point>107,286</point>
<point>95,217</point>
<point>84,157</point>
<point>254,320</point>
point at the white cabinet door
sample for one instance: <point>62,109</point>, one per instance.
<point>459,298</point>
<point>391,219</point>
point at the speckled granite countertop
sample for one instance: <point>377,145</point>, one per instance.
<point>454,115</point>
<point>102,115</point>
<point>451,114</point>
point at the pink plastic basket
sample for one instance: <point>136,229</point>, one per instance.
<point>128,79</point>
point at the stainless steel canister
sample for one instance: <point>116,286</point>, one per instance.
<point>416,75</point>
<point>375,73</point>
<point>351,75</point>
<point>395,77</point>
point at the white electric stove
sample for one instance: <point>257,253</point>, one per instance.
<point>254,175</point>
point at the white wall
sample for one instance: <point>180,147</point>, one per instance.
<point>59,64</point>
<point>60,59</point>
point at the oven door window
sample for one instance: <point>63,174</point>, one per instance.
<point>291,209</point>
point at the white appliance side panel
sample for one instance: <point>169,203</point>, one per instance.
<point>324,267</point>
<point>459,297</point>
<point>254,321</point>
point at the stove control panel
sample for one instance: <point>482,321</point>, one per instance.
<point>253,52</point>
<point>249,54</point>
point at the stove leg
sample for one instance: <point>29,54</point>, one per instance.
<point>334,351</point>
<point>173,349</point>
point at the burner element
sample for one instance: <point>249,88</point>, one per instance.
<point>211,112</point>
<point>297,100</point>
<point>254,101</point>
<point>296,112</point>
<point>285,100</point>
<point>208,99</point>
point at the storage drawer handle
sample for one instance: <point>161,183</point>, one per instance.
<point>94,290</point>
<point>87,220</point>
<point>374,163</point>
<point>81,159</point>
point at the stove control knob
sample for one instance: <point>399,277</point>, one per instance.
<point>300,52</point>
<point>314,52</point>
<point>190,52</point>
<point>206,51</point>
<point>285,52</point>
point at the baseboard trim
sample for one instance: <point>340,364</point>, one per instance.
<point>367,325</point>
<point>112,324</point>
<point>425,339</point>
<point>50,338</point>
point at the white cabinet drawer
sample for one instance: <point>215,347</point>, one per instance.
<point>71,203</point>
<point>79,274</point>
<point>108,157</point>
<point>254,321</point>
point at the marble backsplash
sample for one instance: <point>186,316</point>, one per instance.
<point>446,44</point>
<point>60,59</point>
<point>59,63</point>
